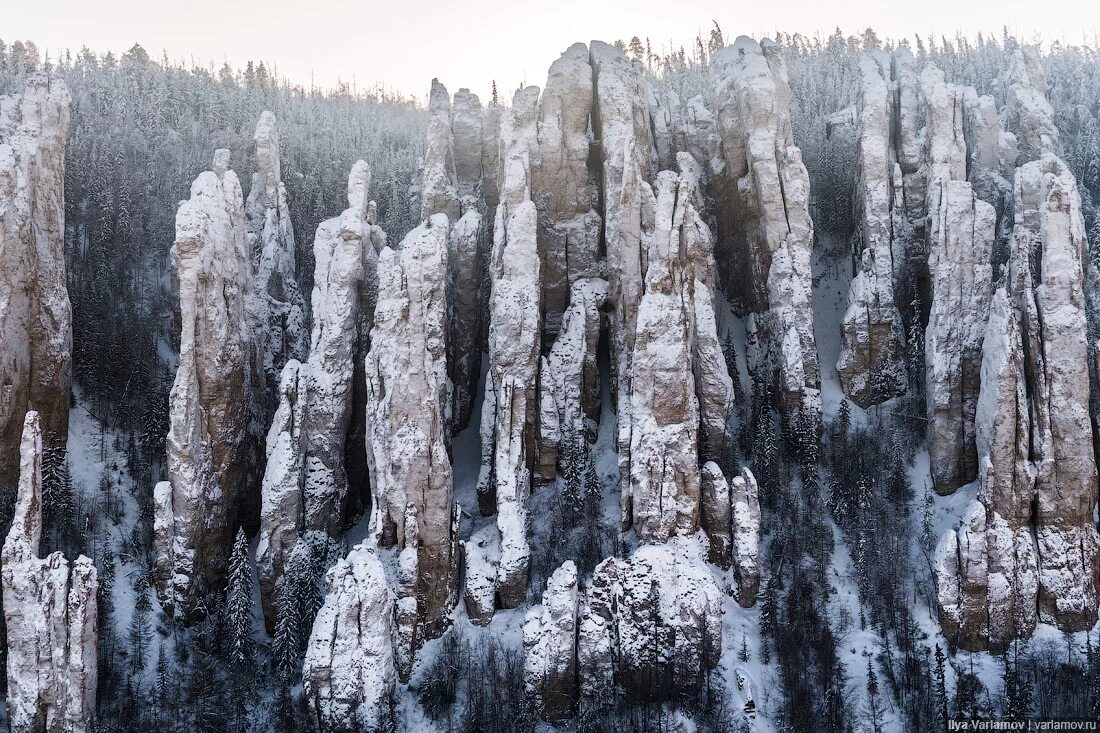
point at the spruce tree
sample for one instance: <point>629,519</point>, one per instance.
<point>940,690</point>
<point>240,643</point>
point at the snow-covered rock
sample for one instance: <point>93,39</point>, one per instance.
<point>656,615</point>
<point>480,556</point>
<point>35,313</point>
<point>464,338</point>
<point>343,251</point>
<point>349,671</point>
<point>1029,543</point>
<point>662,492</point>
<point>438,186</point>
<point>765,230</point>
<point>467,132</point>
<point>549,645</point>
<point>510,412</point>
<point>570,376</point>
<point>961,234</point>
<point>50,614</point>
<point>1029,114</point>
<point>211,447</point>
<point>731,520</point>
<point>564,190</point>
<point>281,510</point>
<point>872,358</point>
<point>282,314</point>
<point>408,396</point>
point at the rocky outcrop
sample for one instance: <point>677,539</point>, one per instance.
<point>281,511</point>
<point>652,622</point>
<point>452,185</point>
<point>35,314</point>
<point>1029,115</point>
<point>662,497</point>
<point>344,290</point>
<point>731,520</point>
<point>549,646</point>
<point>570,375</point>
<point>464,338</point>
<point>282,315</point>
<point>1029,542</point>
<point>50,614</point>
<point>961,233</point>
<point>564,189</point>
<point>627,158</point>
<point>510,411</point>
<point>211,448</point>
<point>408,396</point>
<point>480,556</point>
<point>872,358</point>
<point>765,234</point>
<point>438,189</point>
<point>349,671</point>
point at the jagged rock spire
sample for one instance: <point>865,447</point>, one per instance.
<point>50,613</point>
<point>35,313</point>
<point>282,313</point>
<point>211,446</point>
<point>764,227</point>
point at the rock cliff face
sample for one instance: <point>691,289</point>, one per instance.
<point>549,646</point>
<point>282,313</point>
<point>731,520</point>
<point>345,252</point>
<point>765,234</point>
<point>872,360</point>
<point>408,396</point>
<point>663,481</point>
<point>350,671</point>
<point>438,189</point>
<point>453,185</point>
<point>564,189</point>
<point>1029,542</point>
<point>35,314</point>
<point>50,614</point>
<point>510,411</point>
<point>656,615</point>
<point>570,386</point>
<point>282,514</point>
<point>210,446</point>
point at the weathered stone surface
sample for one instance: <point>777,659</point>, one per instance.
<point>281,308</point>
<point>662,495</point>
<point>339,276</point>
<point>408,395</point>
<point>349,671</point>
<point>481,555</point>
<point>510,413</point>
<point>50,614</point>
<point>564,190</point>
<point>549,646</point>
<point>35,313</point>
<point>570,388</point>
<point>713,384</point>
<point>464,337</point>
<point>765,231</point>
<point>731,520</point>
<point>438,184</point>
<point>654,616</point>
<point>281,511</point>
<point>211,448</point>
<point>961,234</point>
<point>1029,115</point>
<point>1038,547</point>
<point>872,357</point>
<point>467,132</point>
<point>745,498</point>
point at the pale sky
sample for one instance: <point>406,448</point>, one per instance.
<point>468,43</point>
